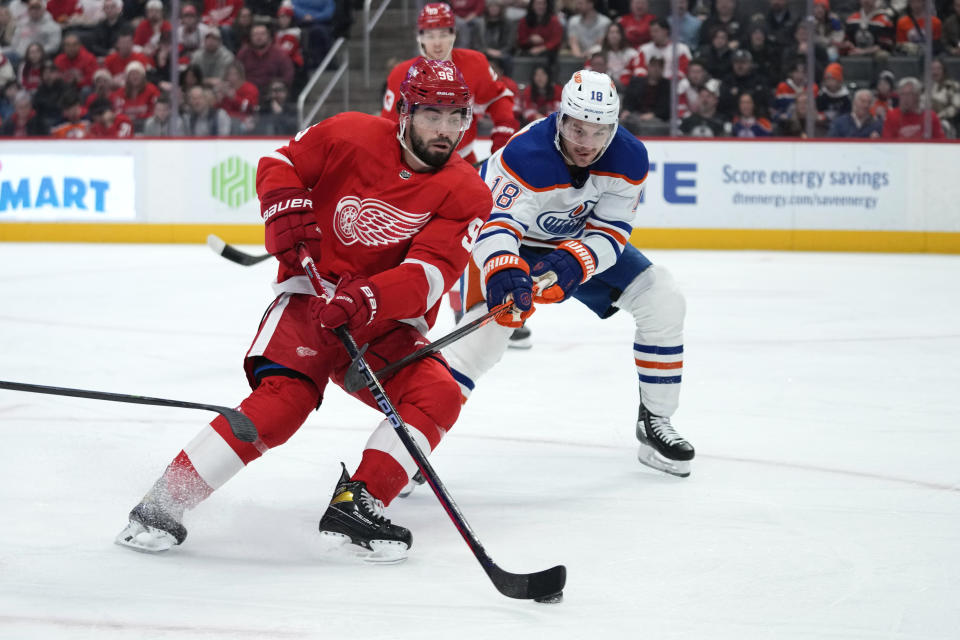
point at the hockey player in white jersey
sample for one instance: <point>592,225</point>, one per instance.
<point>565,192</point>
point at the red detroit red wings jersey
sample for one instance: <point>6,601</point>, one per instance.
<point>410,233</point>
<point>490,94</point>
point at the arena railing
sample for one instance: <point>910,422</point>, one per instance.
<point>306,119</point>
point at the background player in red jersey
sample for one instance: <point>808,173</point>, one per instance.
<point>436,38</point>
<point>390,215</point>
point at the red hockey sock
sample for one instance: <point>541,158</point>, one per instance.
<point>383,475</point>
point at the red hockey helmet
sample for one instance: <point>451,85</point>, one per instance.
<point>436,15</point>
<point>434,82</point>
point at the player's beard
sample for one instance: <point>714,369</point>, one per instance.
<point>421,149</point>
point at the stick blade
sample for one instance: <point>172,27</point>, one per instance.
<point>529,586</point>
<point>216,243</point>
<point>242,426</point>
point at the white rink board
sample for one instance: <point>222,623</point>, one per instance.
<point>692,184</point>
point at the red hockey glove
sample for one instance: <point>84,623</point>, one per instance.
<point>499,136</point>
<point>507,277</point>
<point>354,304</point>
<point>571,264</point>
<point>289,219</point>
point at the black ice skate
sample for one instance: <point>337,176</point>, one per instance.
<point>520,339</point>
<point>661,447</point>
<point>356,517</point>
<point>151,529</point>
<point>415,482</point>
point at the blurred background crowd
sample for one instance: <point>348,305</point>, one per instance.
<point>701,68</point>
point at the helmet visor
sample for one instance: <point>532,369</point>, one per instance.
<point>434,120</point>
<point>584,140</point>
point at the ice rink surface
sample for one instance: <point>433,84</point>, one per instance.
<point>821,392</point>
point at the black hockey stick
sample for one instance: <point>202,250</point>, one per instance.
<point>544,585</point>
<point>233,254</point>
<point>242,427</point>
<point>354,380</point>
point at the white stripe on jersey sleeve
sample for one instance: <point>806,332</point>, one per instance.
<point>434,280</point>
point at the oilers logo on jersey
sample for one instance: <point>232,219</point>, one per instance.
<point>567,224</point>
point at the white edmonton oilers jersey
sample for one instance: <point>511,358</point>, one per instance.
<point>536,203</point>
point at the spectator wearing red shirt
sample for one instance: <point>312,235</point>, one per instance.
<point>76,63</point>
<point>906,121</point>
<point>107,123</point>
<point>541,97</point>
<point>288,35</point>
<point>221,13</point>
<point>136,97</point>
<point>63,10</point>
<point>102,87</point>
<point>636,24</point>
<point>263,61</point>
<point>151,28</point>
<point>540,32</point>
<point>239,98</point>
<point>116,63</point>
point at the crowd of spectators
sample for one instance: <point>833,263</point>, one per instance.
<point>742,68</point>
<point>102,68</point>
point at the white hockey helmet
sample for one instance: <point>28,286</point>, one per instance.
<point>591,97</point>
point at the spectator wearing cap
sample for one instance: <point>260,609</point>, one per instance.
<point>743,79</point>
<point>705,121</point>
<point>46,99</point>
<point>586,29</point>
<point>107,123</point>
<point>905,122</point>
<point>212,59</point>
<point>76,63</point>
<point>164,122</point>
<point>764,55</point>
<point>746,123</point>
<point>137,97</point>
<point>717,55</point>
<point>102,87</point>
<point>661,46</point>
<point>858,123</point>
<point>38,26</point>
<point>647,99</point>
<point>192,31</point>
<point>103,40</point>
<point>869,31</point>
<point>288,36</point>
<point>885,96</point>
<point>540,33</point>
<point>24,122</point>
<point>636,23</point>
<point>725,15</point>
<point>688,29</point>
<point>827,28</point>
<point>779,23</point>
<point>149,31</point>
<point>834,98</point>
<point>201,118</point>
<point>263,61</point>
<point>118,61</point>
<point>316,20</point>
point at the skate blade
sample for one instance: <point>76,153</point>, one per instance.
<point>381,551</point>
<point>525,343</point>
<point>650,457</point>
<point>145,539</point>
<point>407,490</point>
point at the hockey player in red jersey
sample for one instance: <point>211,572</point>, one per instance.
<point>390,214</point>
<point>436,38</point>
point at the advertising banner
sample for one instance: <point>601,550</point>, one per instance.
<point>52,187</point>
